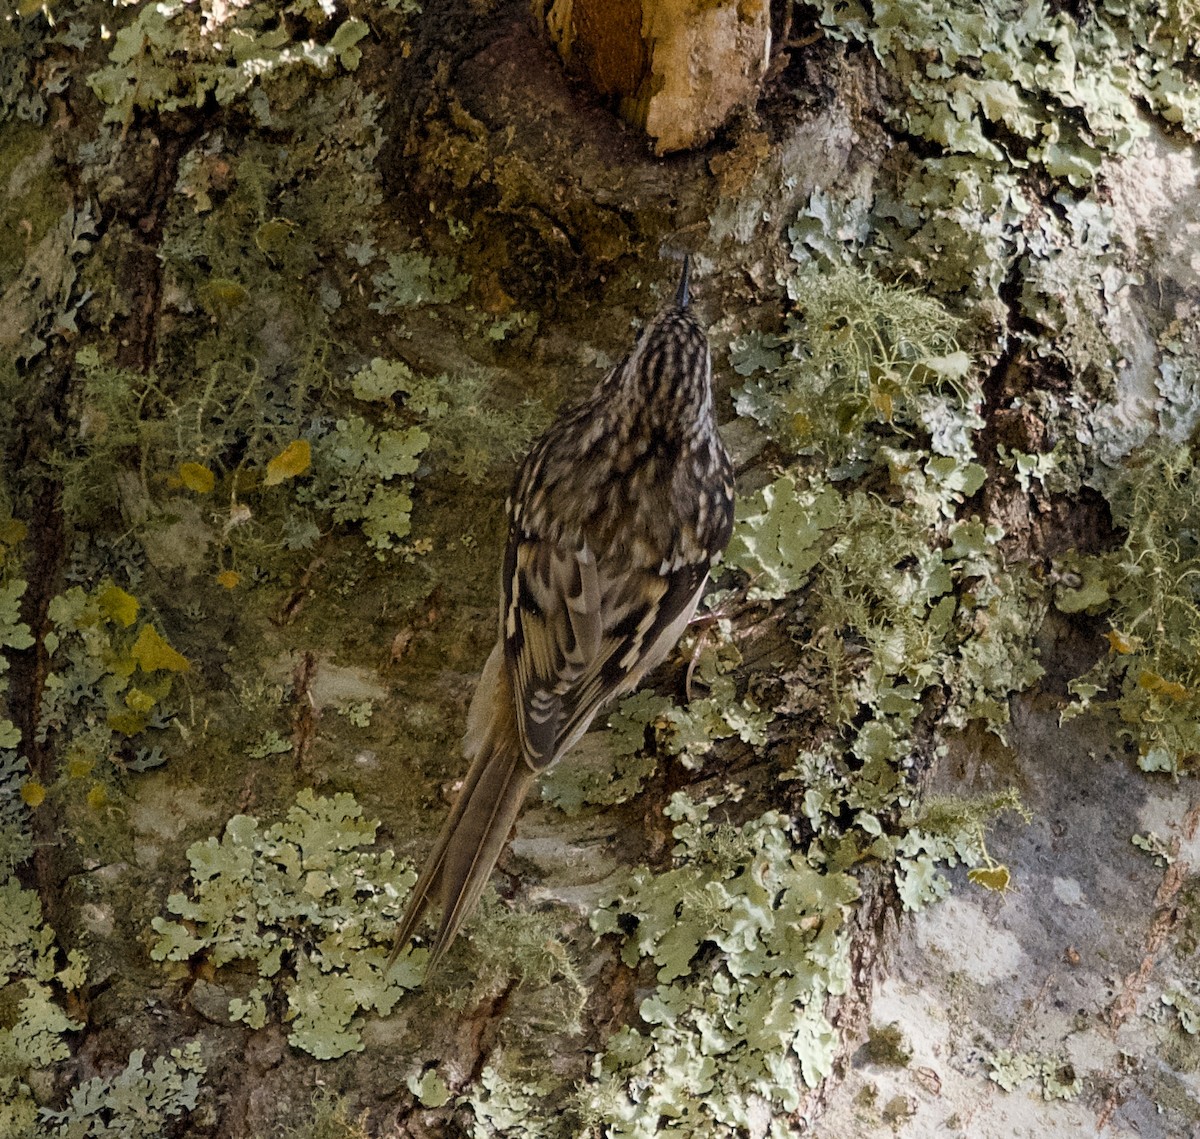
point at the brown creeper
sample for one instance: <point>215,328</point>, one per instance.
<point>615,517</point>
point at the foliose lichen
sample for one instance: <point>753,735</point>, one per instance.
<point>310,908</point>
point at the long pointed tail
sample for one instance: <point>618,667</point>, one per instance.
<point>682,290</point>
<point>472,838</point>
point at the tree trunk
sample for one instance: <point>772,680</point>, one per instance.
<point>284,296</point>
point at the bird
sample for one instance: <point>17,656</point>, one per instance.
<point>615,518</point>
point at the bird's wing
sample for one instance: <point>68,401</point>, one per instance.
<point>577,633</point>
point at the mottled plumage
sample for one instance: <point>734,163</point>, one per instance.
<point>615,517</point>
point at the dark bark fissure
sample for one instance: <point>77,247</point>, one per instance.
<point>137,341</point>
<point>47,427</point>
<point>28,670</point>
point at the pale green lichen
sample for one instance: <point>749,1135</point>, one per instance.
<point>1029,468</point>
<point>869,567</point>
<point>1187,1008</point>
<point>1147,591</point>
<point>861,354</point>
<point>35,1028</point>
<point>996,93</point>
<point>1178,384</point>
<point>362,470</point>
<point>1053,1076</point>
<point>44,302</point>
<point>749,941</point>
<point>136,1103</point>
<point>947,832</point>
<point>227,400</point>
<point>781,534</point>
<point>229,51</point>
<point>468,432</point>
<point>16,840</point>
<point>1076,269</point>
<point>429,1088</point>
<point>14,633</point>
<point>1065,90</point>
<point>306,904</point>
<point>892,614</point>
<point>1156,846</point>
<point>21,99</point>
<point>413,279</point>
<point>512,1104</point>
<point>718,710</point>
<point>362,476</point>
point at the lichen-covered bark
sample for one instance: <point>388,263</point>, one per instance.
<point>284,294</point>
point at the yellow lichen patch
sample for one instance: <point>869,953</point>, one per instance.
<point>1120,643</point>
<point>12,531</point>
<point>118,606</point>
<point>1152,682</point>
<point>138,701</point>
<point>33,794</point>
<point>293,460</point>
<point>995,878</point>
<point>222,293</point>
<point>80,764</point>
<point>272,236</point>
<point>151,652</point>
<point>127,723</point>
<point>197,477</point>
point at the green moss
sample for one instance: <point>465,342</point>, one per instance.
<point>886,1047</point>
<point>33,198</point>
<point>898,595</point>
